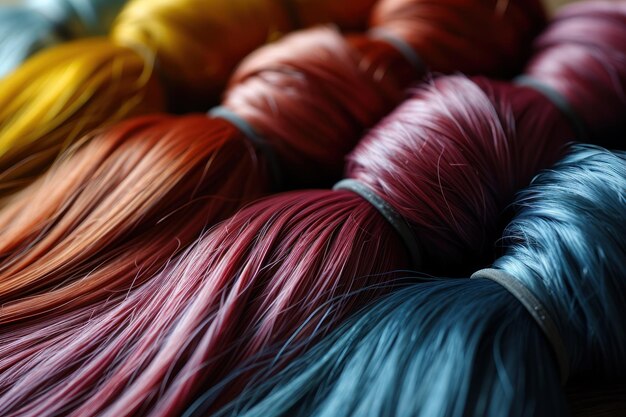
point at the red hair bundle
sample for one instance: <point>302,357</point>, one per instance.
<point>583,59</point>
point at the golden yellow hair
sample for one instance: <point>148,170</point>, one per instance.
<point>199,42</point>
<point>62,93</point>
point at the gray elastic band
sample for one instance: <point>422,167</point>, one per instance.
<point>257,140</point>
<point>394,219</point>
<point>559,102</point>
<point>401,46</point>
<point>536,310</point>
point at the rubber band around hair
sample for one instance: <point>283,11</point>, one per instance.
<point>401,46</point>
<point>559,101</point>
<point>257,140</point>
<point>536,309</point>
<point>388,212</point>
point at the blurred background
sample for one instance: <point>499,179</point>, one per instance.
<point>552,4</point>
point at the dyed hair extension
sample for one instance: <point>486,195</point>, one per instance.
<point>580,50</point>
<point>66,91</point>
<point>255,279</point>
<point>399,16</point>
<point>310,96</point>
<point>63,92</point>
<point>468,347</point>
<point>42,23</point>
